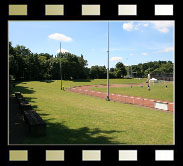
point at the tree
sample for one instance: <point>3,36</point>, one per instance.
<point>98,72</point>
<point>164,69</point>
<point>120,70</point>
<point>94,72</point>
<point>13,66</point>
<point>25,65</point>
<point>46,55</point>
<point>112,69</point>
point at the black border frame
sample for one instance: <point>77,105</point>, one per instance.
<point>73,153</point>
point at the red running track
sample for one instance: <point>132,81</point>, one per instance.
<point>120,98</point>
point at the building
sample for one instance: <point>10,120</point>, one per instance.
<point>166,77</point>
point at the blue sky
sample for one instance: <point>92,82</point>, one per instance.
<point>131,42</point>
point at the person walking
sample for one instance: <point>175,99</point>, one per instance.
<point>148,87</point>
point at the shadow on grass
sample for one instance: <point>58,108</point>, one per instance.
<point>31,100</point>
<point>47,81</point>
<point>23,90</point>
<point>59,133</point>
<point>17,128</point>
<point>82,80</point>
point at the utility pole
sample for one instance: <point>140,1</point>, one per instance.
<point>108,67</point>
<point>60,67</point>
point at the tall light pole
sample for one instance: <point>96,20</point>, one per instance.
<point>108,67</point>
<point>60,67</point>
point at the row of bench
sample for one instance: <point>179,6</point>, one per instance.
<point>36,125</point>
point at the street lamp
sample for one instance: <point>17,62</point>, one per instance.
<point>107,99</point>
<point>60,67</point>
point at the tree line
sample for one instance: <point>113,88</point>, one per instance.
<point>156,67</point>
<point>25,65</point>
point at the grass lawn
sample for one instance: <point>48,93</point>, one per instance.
<point>68,83</point>
<point>158,91</point>
<point>78,119</point>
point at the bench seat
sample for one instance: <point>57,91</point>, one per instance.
<point>37,126</point>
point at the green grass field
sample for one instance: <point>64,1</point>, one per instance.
<point>158,91</point>
<point>78,119</point>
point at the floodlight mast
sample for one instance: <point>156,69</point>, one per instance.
<point>60,67</point>
<point>108,67</point>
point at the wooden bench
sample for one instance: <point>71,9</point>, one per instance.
<point>37,126</point>
<point>17,94</point>
<point>24,106</point>
<point>19,97</point>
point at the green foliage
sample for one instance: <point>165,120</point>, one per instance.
<point>164,68</point>
<point>97,72</point>
<point>120,70</point>
<point>25,65</point>
<point>156,67</point>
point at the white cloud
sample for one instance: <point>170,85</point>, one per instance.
<point>163,26</point>
<point>144,54</point>
<point>128,26</point>
<point>146,25</point>
<point>168,49</point>
<point>62,50</point>
<point>136,27</point>
<point>116,58</point>
<point>131,54</point>
<point>61,37</point>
